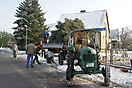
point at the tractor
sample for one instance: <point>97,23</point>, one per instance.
<point>83,50</point>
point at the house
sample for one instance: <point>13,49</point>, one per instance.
<point>92,19</point>
<point>115,42</point>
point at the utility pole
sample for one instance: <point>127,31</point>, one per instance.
<point>26,36</point>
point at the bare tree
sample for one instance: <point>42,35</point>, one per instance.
<point>126,38</point>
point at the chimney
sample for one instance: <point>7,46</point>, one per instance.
<point>82,11</point>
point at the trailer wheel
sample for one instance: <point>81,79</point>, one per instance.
<point>107,76</point>
<point>60,58</point>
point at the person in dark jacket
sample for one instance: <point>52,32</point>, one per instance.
<point>45,36</point>
<point>38,48</point>
<point>30,51</point>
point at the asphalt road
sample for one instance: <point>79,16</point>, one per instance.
<point>14,74</point>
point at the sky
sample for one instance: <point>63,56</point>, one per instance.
<point>119,11</point>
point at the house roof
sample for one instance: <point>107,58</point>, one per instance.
<point>50,26</point>
<point>90,19</point>
<point>114,34</point>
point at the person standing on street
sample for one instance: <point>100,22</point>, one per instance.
<point>30,51</point>
<point>38,48</point>
<point>15,51</point>
<point>45,36</point>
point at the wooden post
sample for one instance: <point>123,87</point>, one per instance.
<point>111,56</point>
<point>131,63</point>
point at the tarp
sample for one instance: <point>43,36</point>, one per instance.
<point>100,29</point>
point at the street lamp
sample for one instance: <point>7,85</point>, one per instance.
<point>26,26</point>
